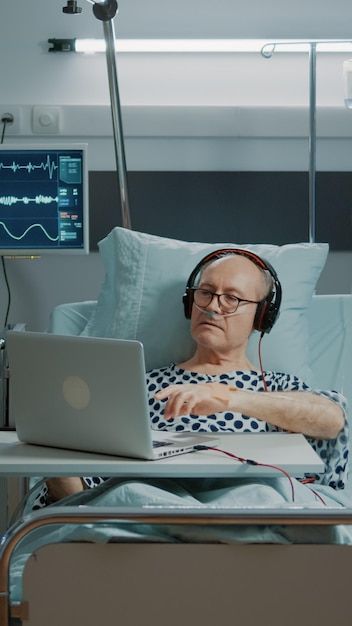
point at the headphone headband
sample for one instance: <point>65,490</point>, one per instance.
<point>267,310</point>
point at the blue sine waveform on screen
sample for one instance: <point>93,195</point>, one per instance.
<point>41,199</point>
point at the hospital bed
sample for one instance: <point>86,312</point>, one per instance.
<point>193,574</point>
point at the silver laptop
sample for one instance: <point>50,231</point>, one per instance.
<point>86,393</point>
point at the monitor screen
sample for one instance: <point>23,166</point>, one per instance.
<point>43,199</point>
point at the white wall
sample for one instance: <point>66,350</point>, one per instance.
<point>180,111</point>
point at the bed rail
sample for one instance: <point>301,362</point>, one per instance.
<point>148,515</point>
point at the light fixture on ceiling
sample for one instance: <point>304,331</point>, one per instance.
<point>91,46</point>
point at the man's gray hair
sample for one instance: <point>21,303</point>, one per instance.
<point>268,282</point>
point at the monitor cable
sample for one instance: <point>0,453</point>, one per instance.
<point>6,120</point>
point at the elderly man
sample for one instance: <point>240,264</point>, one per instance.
<point>230,294</point>
<point>223,312</point>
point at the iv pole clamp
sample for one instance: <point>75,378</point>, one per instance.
<point>105,11</point>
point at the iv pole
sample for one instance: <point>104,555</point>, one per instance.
<point>267,52</point>
<point>105,11</point>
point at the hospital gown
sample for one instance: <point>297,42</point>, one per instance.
<point>333,452</point>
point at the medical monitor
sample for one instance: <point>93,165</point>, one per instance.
<point>43,199</point>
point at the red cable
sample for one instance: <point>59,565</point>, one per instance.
<point>317,495</point>
<point>251,462</point>
<point>304,481</point>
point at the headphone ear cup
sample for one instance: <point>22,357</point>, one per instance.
<point>188,303</point>
<point>266,315</point>
<point>271,316</point>
<point>259,319</point>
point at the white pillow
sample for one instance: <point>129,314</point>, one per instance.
<point>146,275</point>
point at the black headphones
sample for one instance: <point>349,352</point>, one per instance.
<point>267,310</point>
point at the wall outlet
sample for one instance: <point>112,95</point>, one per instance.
<point>15,127</point>
<point>46,120</point>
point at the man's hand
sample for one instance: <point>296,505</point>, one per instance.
<point>199,399</point>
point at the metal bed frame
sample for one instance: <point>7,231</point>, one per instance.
<point>204,581</point>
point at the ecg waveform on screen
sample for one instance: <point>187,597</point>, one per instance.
<point>39,199</point>
<point>47,165</point>
<point>19,237</point>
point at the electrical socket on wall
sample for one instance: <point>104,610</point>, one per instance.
<point>14,111</point>
<point>46,120</point>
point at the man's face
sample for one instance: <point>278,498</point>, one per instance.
<point>238,276</point>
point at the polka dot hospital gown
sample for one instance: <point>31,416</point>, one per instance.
<point>333,452</point>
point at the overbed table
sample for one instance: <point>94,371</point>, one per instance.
<point>24,460</point>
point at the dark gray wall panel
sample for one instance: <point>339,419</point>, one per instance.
<point>241,207</point>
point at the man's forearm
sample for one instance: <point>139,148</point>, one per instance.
<point>296,411</point>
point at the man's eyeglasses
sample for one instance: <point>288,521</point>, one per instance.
<point>227,302</point>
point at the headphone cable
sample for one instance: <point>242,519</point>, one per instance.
<point>261,362</point>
